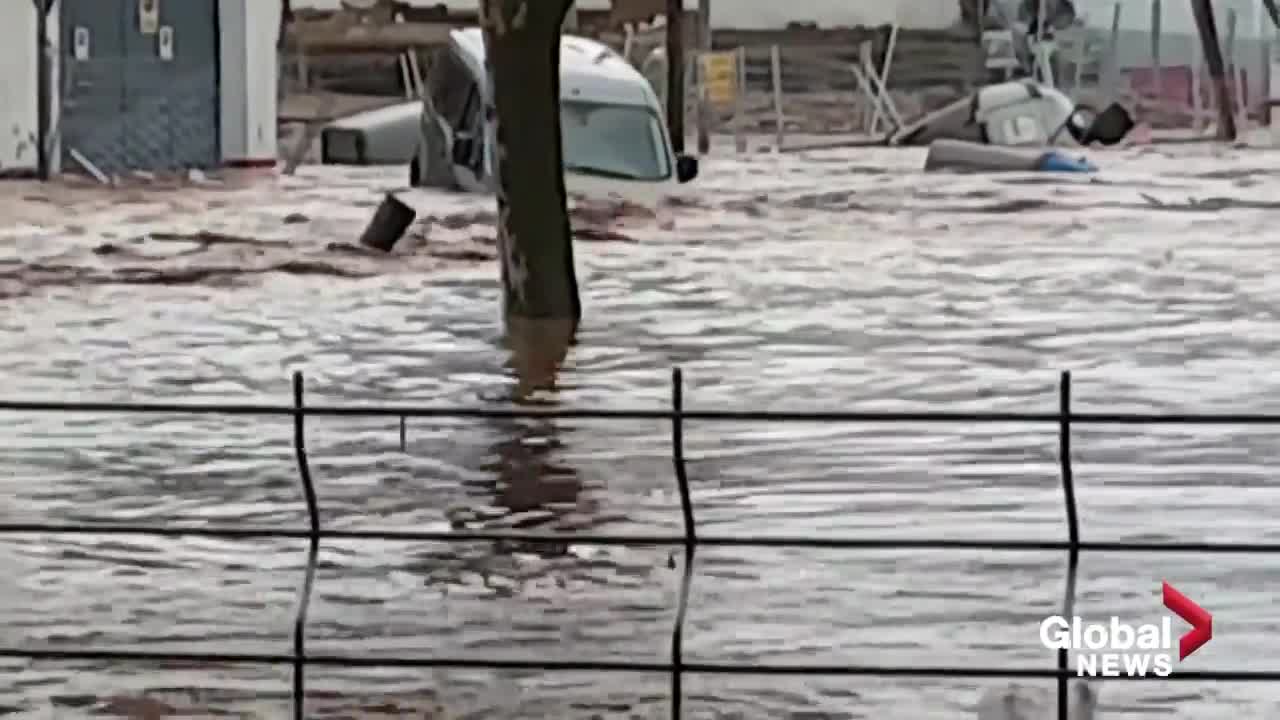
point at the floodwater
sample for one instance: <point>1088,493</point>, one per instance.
<point>837,280</point>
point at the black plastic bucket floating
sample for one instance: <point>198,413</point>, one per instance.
<point>388,224</point>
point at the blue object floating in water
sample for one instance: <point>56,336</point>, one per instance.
<point>1054,161</point>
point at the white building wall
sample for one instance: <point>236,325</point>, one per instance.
<point>248,78</point>
<point>19,114</point>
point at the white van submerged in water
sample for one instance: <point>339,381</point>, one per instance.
<point>614,138</point>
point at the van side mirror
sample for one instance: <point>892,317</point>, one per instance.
<point>686,168</point>
<point>463,150</point>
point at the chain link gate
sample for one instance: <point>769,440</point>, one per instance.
<point>140,85</point>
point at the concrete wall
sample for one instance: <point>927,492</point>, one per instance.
<point>18,90</point>
<point>1179,41</point>
<point>1175,15</point>
<point>249,76</point>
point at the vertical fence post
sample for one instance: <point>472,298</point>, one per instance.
<point>1073,526</point>
<point>313,549</point>
<point>1111,80</point>
<point>885,67</point>
<point>740,102</point>
<point>1157,65</point>
<point>704,47</point>
<point>1230,66</point>
<point>44,91</point>
<point>1197,90</point>
<point>1271,92</point>
<point>690,540</point>
<point>1263,81</point>
<point>775,73</point>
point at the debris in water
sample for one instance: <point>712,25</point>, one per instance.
<point>388,224</point>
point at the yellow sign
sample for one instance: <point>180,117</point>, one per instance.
<point>720,77</point>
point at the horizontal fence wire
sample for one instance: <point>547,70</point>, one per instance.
<point>677,667</point>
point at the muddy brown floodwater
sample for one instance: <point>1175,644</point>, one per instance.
<point>837,280</point>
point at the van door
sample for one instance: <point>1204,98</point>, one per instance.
<point>451,89</point>
<point>467,153</point>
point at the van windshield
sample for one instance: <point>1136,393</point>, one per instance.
<point>618,141</point>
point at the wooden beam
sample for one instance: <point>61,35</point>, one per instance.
<point>326,37</point>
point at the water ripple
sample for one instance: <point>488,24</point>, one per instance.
<point>834,280</point>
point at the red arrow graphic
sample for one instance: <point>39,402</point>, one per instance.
<point>1200,620</point>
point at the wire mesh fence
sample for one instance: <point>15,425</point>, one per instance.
<point>690,539</point>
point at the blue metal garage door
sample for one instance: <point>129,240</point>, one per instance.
<point>140,84</point>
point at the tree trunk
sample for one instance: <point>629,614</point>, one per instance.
<point>1272,11</point>
<point>286,18</point>
<point>675,74</point>
<point>535,247</point>
<point>44,90</point>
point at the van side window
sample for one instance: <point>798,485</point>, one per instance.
<point>450,86</point>
<point>438,76</point>
<point>469,118</point>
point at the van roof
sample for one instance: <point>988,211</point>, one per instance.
<point>589,70</point>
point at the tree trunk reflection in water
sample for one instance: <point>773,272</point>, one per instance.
<point>527,477</point>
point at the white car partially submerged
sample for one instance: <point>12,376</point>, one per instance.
<point>614,140</point>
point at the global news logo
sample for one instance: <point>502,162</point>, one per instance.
<point>1117,648</point>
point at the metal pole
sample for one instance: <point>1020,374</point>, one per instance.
<point>1264,65</point>
<point>1037,71</point>
<point>43,90</point>
<point>1235,73</point>
<point>740,101</point>
<point>675,73</point>
<point>1113,58</point>
<point>1157,66</point>
<point>1270,113</point>
<point>775,72</point>
<point>1197,91</point>
<point>704,46</point>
